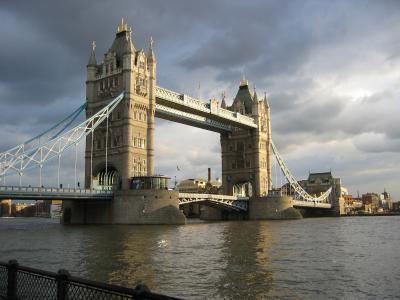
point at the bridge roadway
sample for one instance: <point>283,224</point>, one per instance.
<point>51,193</point>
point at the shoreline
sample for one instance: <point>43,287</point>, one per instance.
<point>374,215</point>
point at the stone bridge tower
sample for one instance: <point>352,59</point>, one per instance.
<point>246,167</point>
<point>130,144</point>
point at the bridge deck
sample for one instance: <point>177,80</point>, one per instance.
<point>44,193</point>
<point>231,202</point>
<point>51,193</point>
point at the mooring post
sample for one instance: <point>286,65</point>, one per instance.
<point>142,291</point>
<point>12,280</point>
<point>62,284</point>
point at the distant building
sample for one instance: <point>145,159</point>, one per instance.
<point>371,202</point>
<point>192,185</point>
<point>22,209</point>
<point>386,201</point>
<point>198,186</point>
<point>318,183</point>
<point>352,205</point>
<point>5,208</point>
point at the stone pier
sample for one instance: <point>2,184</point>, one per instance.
<point>127,207</point>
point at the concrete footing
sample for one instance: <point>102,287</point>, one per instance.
<point>127,207</point>
<point>273,207</point>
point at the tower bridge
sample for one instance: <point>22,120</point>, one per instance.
<point>122,100</point>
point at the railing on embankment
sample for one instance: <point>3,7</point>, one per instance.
<point>18,282</point>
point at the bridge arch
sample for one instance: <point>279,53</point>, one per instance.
<point>243,188</point>
<point>105,177</point>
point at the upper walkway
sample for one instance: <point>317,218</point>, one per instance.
<point>184,109</point>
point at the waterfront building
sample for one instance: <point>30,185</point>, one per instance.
<point>22,209</point>
<point>198,186</point>
<point>386,201</point>
<point>371,202</point>
<point>5,208</point>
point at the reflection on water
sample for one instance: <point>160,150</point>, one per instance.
<point>310,258</point>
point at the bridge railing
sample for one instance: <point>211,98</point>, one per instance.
<point>19,282</point>
<point>28,189</point>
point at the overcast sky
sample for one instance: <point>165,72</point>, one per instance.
<point>331,70</point>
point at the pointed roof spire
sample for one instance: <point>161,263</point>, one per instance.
<point>255,98</point>
<point>150,53</point>
<point>243,82</point>
<point>129,48</point>
<point>92,58</point>
<point>122,26</point>
<point>223,103</point>
<point>265,100</point>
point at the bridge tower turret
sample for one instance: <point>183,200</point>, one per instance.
<point>245,152</point>
<point>91,70</point>
<point>127,149</point>
<point>151,64</point>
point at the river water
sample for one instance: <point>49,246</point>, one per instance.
<point>335,258</point>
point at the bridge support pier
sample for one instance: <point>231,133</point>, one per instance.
<point>127,207</point>
<point>273,207</point>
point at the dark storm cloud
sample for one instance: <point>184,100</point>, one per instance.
<point>304,54</point>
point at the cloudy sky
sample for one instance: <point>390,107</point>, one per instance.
<point>331,70</point>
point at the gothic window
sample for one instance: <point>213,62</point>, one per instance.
<point>135,115</point>
<point>116,81</point>
<point>118,115</point>
<point>233,165</point>
<point>240,164</point>
<point>111,67</point>
<point>240,146</point>
<point>106,68</point>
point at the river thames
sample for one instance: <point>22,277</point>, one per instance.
<point>335,258</point>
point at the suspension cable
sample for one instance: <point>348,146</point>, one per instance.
<point>106,179</point>
<point>40,167</point>
<point>76,158</point>
<point>91,161</point>
<point>20,175</point>
<point>59,165</point>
